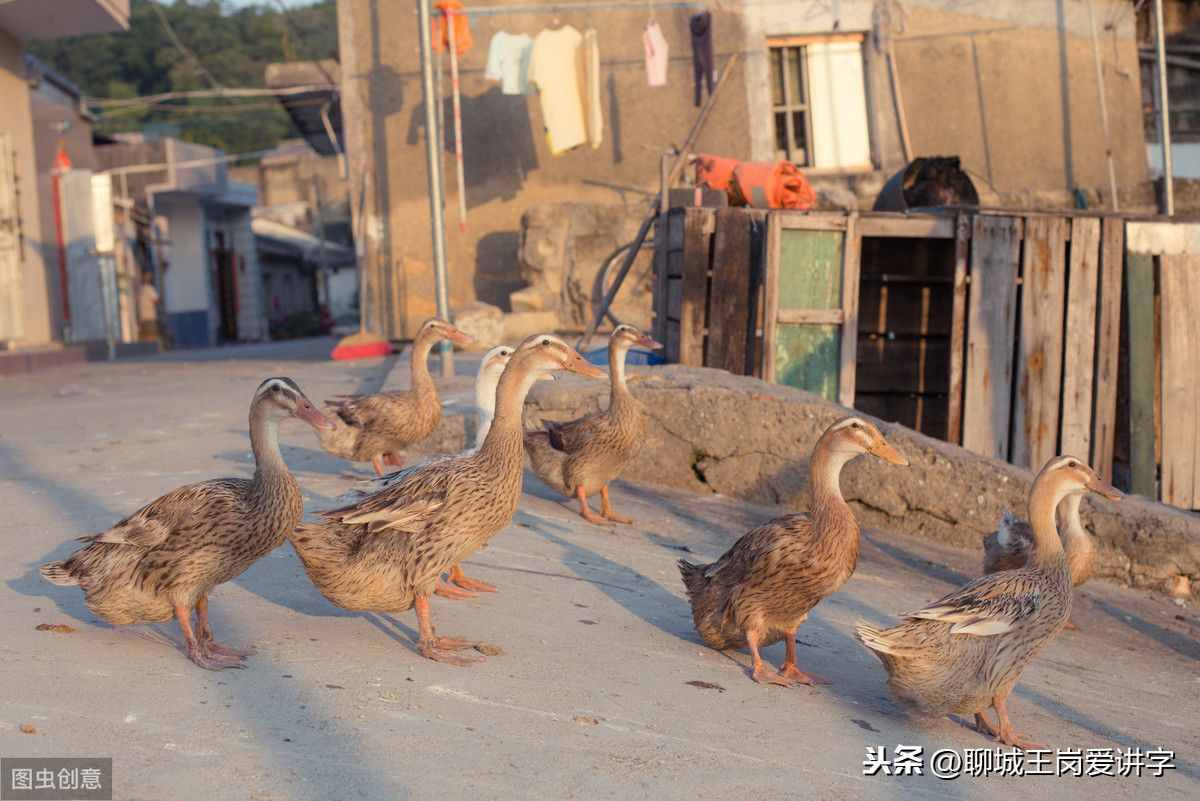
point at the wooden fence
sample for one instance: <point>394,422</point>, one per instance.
<point>998,331</point>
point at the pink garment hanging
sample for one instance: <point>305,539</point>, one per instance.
<point>656,54</point>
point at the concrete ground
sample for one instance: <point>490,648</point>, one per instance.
<point>603,690</point>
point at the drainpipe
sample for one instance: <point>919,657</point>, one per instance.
<point>1164,111</point>
<point>62,163</point>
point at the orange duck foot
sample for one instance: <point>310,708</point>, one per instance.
<point>211,661</point>
<point>444,649</point>
<point>462,580</point>
<point>453,593</point>
<point>798,676</point>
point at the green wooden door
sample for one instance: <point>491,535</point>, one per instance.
<point>812,297</point>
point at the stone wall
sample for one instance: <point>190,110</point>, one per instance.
<point>714,432</point>
<point>564,246</point>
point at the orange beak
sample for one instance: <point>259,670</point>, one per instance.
<point>458,337</point>
<point>1102,487</point>
<point>577,364</point>
<point>888,453</point>
<point>648,342</point>
<point>309,414</point>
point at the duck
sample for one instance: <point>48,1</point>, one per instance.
<point>762,589</point>
<point>491,366</point>
<point>580,457</point>
<point>964,652</point>
<point>164,560</point>
<point>387,552</point>
<point>374,428</point>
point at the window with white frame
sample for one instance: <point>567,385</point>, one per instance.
<point>818,101</point>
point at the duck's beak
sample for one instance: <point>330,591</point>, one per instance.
<point>577,364</point>
<point>458,336</point>
<point>888,453</point>
<point>1102,487</point>
<point>649,342</point>
<point>309,414</point>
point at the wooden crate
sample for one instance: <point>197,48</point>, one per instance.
<point>708,284</point>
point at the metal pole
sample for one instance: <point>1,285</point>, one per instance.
<point>433,161</point>
<point>1112,169</point>
<point>1164,111</point>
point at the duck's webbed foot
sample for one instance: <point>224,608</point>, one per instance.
<point>195,648</point>
<point>1007,734</point>
<point>585,511</point>
<point>447,590</point>
<point>606,510</point>
<point>204,634</point>
<point>447,650</point>
<point>440,649</point>
<point>462,580</point>
<point>794,675</point>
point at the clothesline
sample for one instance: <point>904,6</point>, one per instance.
<point>542,8</point>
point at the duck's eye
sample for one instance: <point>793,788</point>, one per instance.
<point>545,342</point>
<point>1072,464</point>
<point>856,425</point>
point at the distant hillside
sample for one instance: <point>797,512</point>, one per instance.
<point>233,45</point>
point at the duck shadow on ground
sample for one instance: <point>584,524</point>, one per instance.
<point>1179,643</point>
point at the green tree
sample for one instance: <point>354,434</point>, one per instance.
<point>233,47</point>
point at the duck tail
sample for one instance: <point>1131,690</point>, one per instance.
<point>58,573</point>
<point>693,577</point>
<point>874,638</point>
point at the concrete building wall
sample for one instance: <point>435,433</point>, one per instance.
<point>252,306</point>
<point>508,164</point>
<point>1010,87</point>
<point>38,325</point>
<point>186,291</point>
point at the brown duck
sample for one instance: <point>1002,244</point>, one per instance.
<point>579,458</point>
<point>387,552</point>
<point>375,428</point>
<point>763,588</point>
<point>965,651</point>
<point>164,559</point>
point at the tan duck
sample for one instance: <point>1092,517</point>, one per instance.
<point>965,651</point>
<point>164,559</point>
<point>375,428</point>
<point>763,587</point>
<point>387,552</point>
<point>1008,547</point>
<point>579,458</point>
<point>491,367</point>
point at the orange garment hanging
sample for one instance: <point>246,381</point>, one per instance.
<point>451,10</point>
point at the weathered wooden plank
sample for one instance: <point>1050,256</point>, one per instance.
<point>1039,366</point>
<point>820,221</point>
<point>770,295</point>
<point>1080,352</point>
<point>899,226</point>
<point>696,241</point>
<point>988,384</point>
<point>1108,345</point>
<point>958,328</point>
<point>812,316</point>
<point>1139,326</point>
<point>1179,287</point>
<point>729,296</point>
<point>851,265</point>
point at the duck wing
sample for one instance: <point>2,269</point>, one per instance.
<point>177,512</point>
<point>367,411</point>
<point>760,550</point>
<point>574,434</point>
<point>990,605</point>
<point>408,504</point>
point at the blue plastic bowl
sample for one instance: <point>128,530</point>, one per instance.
<point>638,356</point>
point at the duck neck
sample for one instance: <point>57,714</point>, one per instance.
<point>1043,501</point>
<point>505,438</point>
<point>422,381</point>
<point>264,441</point>
<point>618,389</point>
<point>485,405</point>
<point>1073,530</point>
<point>825,485</point>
